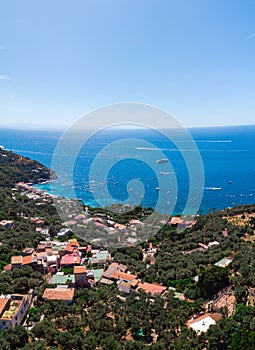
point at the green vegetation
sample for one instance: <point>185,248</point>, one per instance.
<point>101,318</point>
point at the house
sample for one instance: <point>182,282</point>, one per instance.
<point>70,260</point>
<point>105,281</point>
<point>124,287</point>
<point>223,262</point>
<point>135,222</point>
<point>74,243</point>
<point>60,278</point>
<point>27,251</point>
<point>89,248</point>
<point>29,260</point>
<point>95,274</point>
<point>8,267</point>
<point>13,309</point>
<point>37,220</point>
<point>126,277</point>
<point>113,267</point>
<point>6,223</point>
<point>16,262</point>
<point>224,232</point>
<point>119,226</point>
<point>62,293</point>
<point>100,257</point>
<point>80,275</point>
<point>151,288</point>
<point>177,221</point>
<point>63,232</point>
<point>225,299</point>
<point>202,323</point>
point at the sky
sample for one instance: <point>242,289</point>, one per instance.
<point>62,59</point>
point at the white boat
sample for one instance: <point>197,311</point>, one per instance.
<point>213,188</point>
<point>162,160</point>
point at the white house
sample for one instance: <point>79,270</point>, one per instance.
<point>202,323</point>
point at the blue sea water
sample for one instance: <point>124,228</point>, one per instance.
<point>228,157</point>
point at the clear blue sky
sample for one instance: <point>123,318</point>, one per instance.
<point>60,59</point>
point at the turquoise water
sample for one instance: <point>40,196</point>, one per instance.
<point>228,155</point>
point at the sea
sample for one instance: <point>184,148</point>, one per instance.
<point>213,170</point>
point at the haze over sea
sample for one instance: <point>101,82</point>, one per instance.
<point>228,155</point>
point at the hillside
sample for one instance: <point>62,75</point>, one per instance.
<point>15,168</point>
<point>208,267</point>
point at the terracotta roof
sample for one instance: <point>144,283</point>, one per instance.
<point>74,242</point>
<point>135,222</point>
<point>79,269</point>
<point>3,302</point>
<point>119,226</point>
<point>70,259</point>
<point>69,248</point>
<point>151,288</point>
<point>58,294</point>
<point>125,276</point>
<point>8,267</point>
<point>113,267</point>
<point>26,260</point>
<point>215,317</point>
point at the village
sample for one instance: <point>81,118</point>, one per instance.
<point>68,266</point>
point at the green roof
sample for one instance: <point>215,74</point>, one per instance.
<point>177,295</point>
<point>223,262</point>
<point>62,279</point>
<point>98,274</point>
<point>102,255</point>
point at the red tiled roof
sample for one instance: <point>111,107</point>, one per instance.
<point>3,302</point>
<point>26,260</point>
<point>151,288</point>
<point>70,259</point>
<point>123,275</point>
<point>69,248</point>
<point>8,267</point>
<point>74,242</point>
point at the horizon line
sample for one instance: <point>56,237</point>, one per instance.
<point>63,129</point>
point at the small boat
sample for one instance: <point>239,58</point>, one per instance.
<point>157,188</point>
<point>162,160</point>
<point>230,182</point>
<point>213,188</point>
<point>116,183</point>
